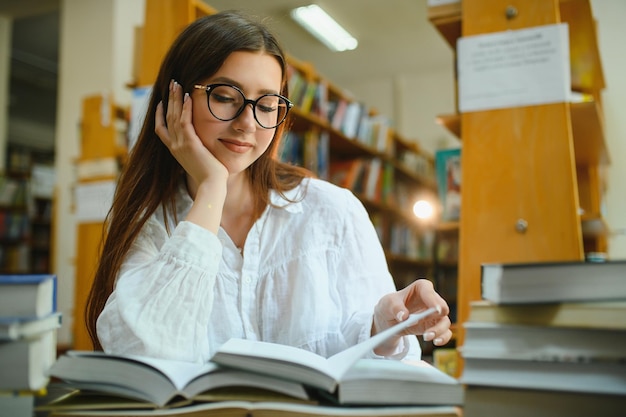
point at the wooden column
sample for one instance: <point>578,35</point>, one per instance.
<point>165,19</point>
<point>99,147</point>
<point>518,166</point>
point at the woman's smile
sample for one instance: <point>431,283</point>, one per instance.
<point>236,146</point>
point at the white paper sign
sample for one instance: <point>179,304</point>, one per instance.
<point>93,200</point>
<point>96,167</point>
<point>514,68</point>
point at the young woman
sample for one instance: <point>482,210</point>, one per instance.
<point>210,237</point>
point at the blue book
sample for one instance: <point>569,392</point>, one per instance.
<point>448,168</point>
<point>28,296</point>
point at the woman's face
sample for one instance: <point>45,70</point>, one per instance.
<point>239,142</point>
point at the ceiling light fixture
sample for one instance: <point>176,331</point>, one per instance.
<point>315,20</point>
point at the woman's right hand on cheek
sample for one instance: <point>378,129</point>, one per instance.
<point>176,131</point>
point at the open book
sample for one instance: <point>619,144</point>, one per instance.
<point>279,369</point>
<point>291,363</point>
<point>158,381</point>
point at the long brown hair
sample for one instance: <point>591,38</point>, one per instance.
<point>151,176</point>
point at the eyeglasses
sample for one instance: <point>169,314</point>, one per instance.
<point>226,102</point>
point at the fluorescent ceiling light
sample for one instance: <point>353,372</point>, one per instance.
<point>324,28</point>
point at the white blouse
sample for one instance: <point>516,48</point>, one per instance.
<point>310,275</point>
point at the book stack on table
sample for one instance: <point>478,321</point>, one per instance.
<point>547,339</point>
<point>255,378</point>
<point>28,326</point>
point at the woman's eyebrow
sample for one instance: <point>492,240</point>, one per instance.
<point>230,81</point>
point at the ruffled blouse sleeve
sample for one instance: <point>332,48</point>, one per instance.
<point>163,295</point>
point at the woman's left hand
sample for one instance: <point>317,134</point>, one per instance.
<point>396,307</point>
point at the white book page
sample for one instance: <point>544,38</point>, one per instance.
<point>178,372</point>
<point>274,352</point>
<point>335,366</point>
<point>340,363</point>
<point>409,370</point>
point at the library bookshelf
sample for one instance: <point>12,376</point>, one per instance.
<point>553,181</point>
<point>26,205</point>
<point>342,140</point>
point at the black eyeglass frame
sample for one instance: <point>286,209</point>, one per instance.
<point>207,88</point>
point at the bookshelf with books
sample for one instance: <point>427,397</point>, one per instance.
<point>41,234</point>
<point>446,243</point>
<point>340,139</point>
<point>446,246</point>
<point>540,198</point>
<point>24,231</point>
<point>14,223</point>
<point>446,261</point>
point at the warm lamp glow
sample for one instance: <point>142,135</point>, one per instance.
<point>423,209</point>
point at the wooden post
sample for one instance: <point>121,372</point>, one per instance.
<point>165,19</point>
<point>518,168</point>
<point>99,144</point>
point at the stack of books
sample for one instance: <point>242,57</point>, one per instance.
<point>255,378</point>
<point>28,326</point>
<point>547,340</point>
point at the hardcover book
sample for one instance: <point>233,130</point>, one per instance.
<point>597,377</point>
<point>27,296</point>
<point>156,381</point>
<point>24,363</point>
<point>593,314</point>
<point>448,172</point>
<point>345,378</point>
<point>554,281</point>
<point>541,343</point>
<point>483,401</point>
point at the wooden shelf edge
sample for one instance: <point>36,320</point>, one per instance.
<point>447,19</point>
<point>587,130</point>
<point>448,226</point>
<point>394,258</point>
<point>403,215</point>
<point>452,122</point>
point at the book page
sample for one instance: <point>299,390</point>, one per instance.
<point>342,361</point>
<point>271,354</point>
<point>178,372</point>
<point>409,370</point>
